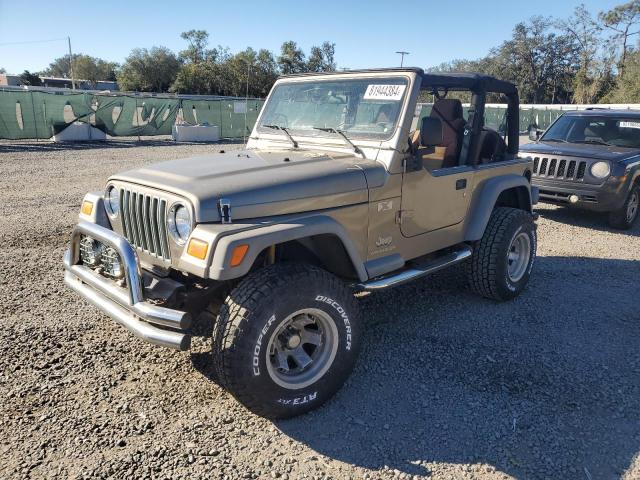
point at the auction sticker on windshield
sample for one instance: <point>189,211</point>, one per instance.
<point>384,92</point>
<point>629,124</point>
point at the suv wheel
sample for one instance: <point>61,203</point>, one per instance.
<point>286,339</point>
<point>625,216</point>
<point>503,258</point>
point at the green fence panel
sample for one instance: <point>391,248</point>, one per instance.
<point>117,115</point>
<point>18,118</point>
<point>135,116</point>
<point>157,115</point>
<point>29,115</point>
<point>228,115</point>
<point>197,112</point>
<point>37,114</point>
<point>60,110</point>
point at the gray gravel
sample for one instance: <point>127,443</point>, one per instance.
<point>448,385</point>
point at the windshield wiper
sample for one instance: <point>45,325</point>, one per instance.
<point>285,130</point>
<point>553,140</point>
<point>594,142</point>
<point>342,134</point>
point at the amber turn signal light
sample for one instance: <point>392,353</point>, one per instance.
<point>198,248</point>
<point>237,256</point>
<point>87,207</point>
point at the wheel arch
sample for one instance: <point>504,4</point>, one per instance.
<point>505,191</point>
<point>301,240</point>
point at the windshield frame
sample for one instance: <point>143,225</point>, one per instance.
<point>565,139</point>
<point>312,136</point>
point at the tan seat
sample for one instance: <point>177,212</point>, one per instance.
<point>432,157</point>
<point>449,112</point>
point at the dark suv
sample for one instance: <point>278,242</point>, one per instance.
<point>590,159</point>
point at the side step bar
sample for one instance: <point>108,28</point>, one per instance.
<point>416,271</point>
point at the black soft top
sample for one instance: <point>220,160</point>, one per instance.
<point>451,80</point>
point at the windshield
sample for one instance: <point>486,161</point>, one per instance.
<point>359,107</point>
<point>611,131</point>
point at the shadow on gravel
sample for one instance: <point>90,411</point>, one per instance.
<point>46,146</point>
<point>545,386</point>
<point>586,219</point>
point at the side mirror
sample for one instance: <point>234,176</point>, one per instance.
<point>535,133</point>
<point>430,132</point>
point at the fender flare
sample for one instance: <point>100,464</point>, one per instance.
<point>485,199</point>
<point>260,238</point>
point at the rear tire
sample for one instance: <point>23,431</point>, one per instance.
<point>286,339</point>
<point>502,259</point>
<point>624,218</point>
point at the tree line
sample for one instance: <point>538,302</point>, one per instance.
<point>197,69</point>
<point>586,58</point>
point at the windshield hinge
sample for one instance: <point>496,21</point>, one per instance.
<point>224,208</point>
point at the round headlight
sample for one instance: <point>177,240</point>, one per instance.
<point>179,223</point>
<point>600,169</point>
<point>112,201</point>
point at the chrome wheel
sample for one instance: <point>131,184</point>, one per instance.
<point>302,348</point>
<point>632,206</point>
<point>518,256</point>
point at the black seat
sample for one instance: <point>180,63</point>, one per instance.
<point>492,147</point>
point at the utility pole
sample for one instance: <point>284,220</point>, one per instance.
<point>73,81</point>
<point>402,58</point>
<point>246,104</point>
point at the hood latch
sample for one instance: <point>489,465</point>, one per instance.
<point>224,208</point>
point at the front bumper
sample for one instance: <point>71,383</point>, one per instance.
<point>126,305</point>
<point>600,198</point>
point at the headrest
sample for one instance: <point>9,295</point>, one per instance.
<point>430,132</point>
<point>447,109</point>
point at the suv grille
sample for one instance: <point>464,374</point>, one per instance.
<point>144,222</point>
<point>559,168</point>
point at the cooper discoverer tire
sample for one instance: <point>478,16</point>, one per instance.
<point>628,213</point>
<point>286,339</point>
<point>502,259</point>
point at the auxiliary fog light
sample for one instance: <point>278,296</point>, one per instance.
<point>111,263</point>
<point>90,251</point>
<point>574,199</point>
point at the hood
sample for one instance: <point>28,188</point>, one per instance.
<point>585,150</point>
<point>262,183</point>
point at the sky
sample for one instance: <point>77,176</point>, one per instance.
<point>366,33</point>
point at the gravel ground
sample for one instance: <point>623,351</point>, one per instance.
<point>448,385</point>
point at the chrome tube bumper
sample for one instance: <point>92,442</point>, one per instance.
<point>126,306</point>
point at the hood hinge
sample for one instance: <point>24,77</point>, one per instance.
<point>224,209</point>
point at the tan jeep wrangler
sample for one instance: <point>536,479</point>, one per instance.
<point>339,190</point>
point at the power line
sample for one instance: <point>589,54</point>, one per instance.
<point>33,41</point>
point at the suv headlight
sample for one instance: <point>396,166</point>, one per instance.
<point>179,223</point>
<point>112,201</point>
<point>600,169</point>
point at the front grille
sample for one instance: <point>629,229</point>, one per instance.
<point>144,219</point>
<point>559,168</point>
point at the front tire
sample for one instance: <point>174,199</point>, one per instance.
<point>286,339</point>
<point>625,217</point>
<point>502,259</point>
